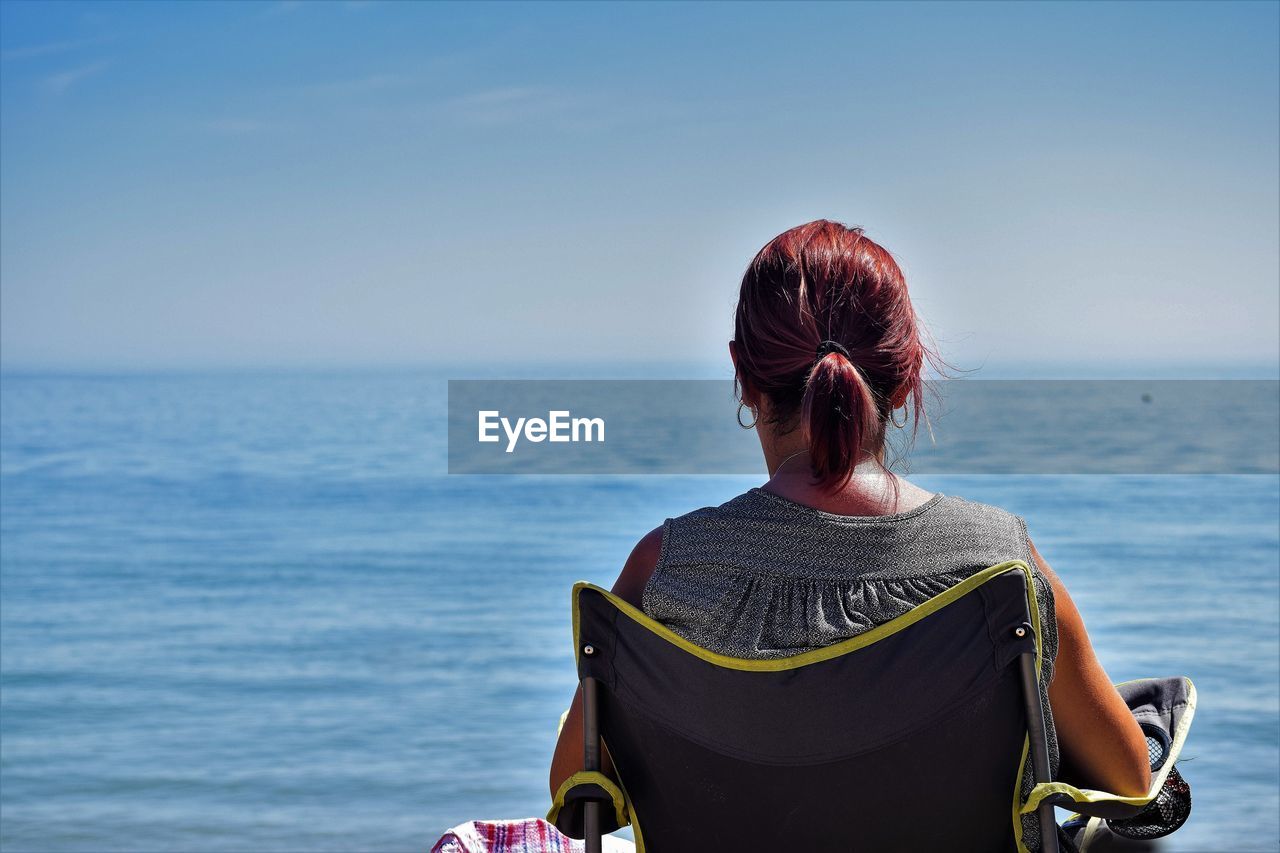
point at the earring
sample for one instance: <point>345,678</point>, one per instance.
<point>893,420</point>
<point>754,418</point>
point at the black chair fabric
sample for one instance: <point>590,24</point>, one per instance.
<point>912,742</point>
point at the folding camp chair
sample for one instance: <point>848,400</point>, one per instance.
<point>912,736</point>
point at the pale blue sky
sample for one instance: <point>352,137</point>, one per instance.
<point>364,183</point>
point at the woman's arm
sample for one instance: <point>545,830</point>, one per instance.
<point>1100,741</point>
<point>630,588</point>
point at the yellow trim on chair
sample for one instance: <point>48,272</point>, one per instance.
<point>1017,796</point>
<point>1033,608</point>
<point>1092,829</point>
<point>590,777</point>
<point>631,815</point>
<point>836,650</point>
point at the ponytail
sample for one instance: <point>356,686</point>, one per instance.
<point>840,417</point>
<point>828,285</point>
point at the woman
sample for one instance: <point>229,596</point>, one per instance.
<point>826,349</point>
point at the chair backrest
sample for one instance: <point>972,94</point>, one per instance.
<point>912,736</point>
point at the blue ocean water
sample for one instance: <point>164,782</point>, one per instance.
<point>248,611</point>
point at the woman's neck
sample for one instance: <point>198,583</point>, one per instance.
<point>872,490</point>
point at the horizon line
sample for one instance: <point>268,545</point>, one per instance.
<point>1031,369</point>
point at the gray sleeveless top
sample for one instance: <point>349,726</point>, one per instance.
<point>765,577</point>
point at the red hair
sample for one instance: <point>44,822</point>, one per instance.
<point>826,282</point>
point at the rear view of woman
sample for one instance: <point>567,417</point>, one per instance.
<point>828,356</point>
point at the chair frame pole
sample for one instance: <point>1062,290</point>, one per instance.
<point>1039,747</point>
<point>591,761</point>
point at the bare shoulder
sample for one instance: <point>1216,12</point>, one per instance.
<point>639,568</point>
<point>1070,625</point>
<point>1059,588</point>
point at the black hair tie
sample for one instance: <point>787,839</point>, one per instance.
<point>827,347</point>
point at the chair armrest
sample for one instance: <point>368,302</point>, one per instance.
<point>566,812</point>
<point>1165,708</point>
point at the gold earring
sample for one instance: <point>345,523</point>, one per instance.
<point>893,420</point>
<point>754,417</point>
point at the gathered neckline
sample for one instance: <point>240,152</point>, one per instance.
<point>849,519</point>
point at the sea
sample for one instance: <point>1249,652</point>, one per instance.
<point>250,610</point>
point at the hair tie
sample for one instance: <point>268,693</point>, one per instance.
<point>827,347</point>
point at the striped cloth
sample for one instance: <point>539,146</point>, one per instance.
<point>530,835</point>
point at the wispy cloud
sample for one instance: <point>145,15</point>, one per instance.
<point>64,80</point>
<point>52,48</point>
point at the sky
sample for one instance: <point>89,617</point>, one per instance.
<point>321,184</point>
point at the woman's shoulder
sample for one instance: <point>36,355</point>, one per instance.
<point>639,568</point>
<point>744,505</point>
<point>649,551</point>
<point>955,510</point>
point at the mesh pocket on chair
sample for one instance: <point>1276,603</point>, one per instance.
<point>1171,807</point>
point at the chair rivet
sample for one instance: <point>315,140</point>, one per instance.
<point>1020,631</point>
<point>588,650</point>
